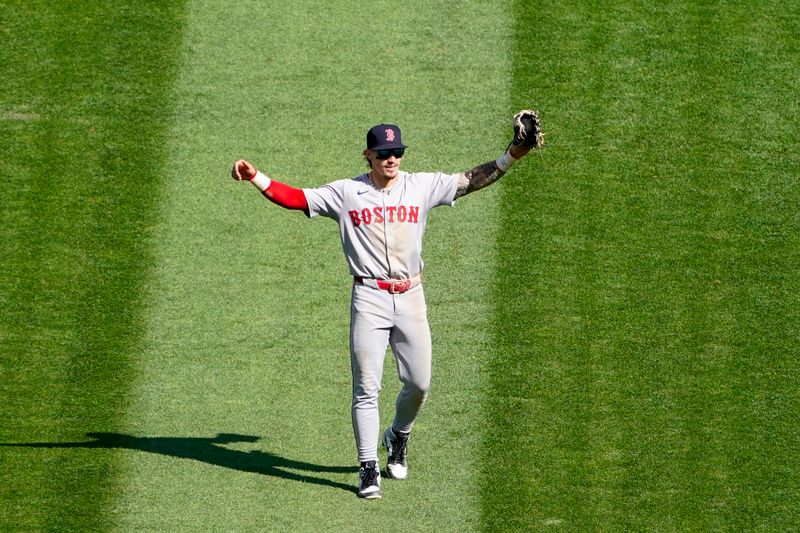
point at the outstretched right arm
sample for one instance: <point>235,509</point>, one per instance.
<point>274,191</point>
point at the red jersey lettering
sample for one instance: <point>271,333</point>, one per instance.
<point>378,215</point>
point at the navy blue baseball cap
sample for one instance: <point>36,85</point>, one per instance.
<point>384,136</point>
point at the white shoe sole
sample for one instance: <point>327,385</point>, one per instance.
<point>374,495</point>
<point>397,471</point>
<point>394,471</point>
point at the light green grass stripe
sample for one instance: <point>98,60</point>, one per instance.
<point>249,307</point>
<point>83,109</point>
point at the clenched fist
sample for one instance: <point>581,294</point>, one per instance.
<point>243,170</point>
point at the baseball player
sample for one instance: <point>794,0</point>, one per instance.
<point>381,216</point>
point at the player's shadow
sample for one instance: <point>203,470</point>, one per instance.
<point>211,451</point>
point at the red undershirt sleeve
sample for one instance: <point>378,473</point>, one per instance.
<point>286,196</point>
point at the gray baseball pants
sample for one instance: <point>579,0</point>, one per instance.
<point>379,319</point>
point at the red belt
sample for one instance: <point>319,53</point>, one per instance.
<point>394,286</point>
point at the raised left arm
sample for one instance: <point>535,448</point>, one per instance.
<point>478,178</point>
<point>489,172</point>
<point>527,135</point>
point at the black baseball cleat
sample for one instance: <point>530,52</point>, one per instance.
<point>397,446</point>
<point>369,486</point>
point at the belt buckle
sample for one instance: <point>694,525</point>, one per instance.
<point>399,287</point>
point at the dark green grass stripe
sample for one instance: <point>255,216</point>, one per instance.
<point>84,110</point>
<point>750,368</point>
<point>647,308</point>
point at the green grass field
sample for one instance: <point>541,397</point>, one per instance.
<point>615,323</point>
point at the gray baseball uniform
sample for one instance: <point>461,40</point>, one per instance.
<point>381,232</point>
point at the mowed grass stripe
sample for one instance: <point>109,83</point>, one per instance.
<point>755,248</point>
<point>248,324</point>
<point>84,106</point>
<point>646,376</point>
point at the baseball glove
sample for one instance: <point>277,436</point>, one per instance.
<point>528,129</point>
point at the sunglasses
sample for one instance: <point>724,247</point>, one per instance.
<point>386,152</point>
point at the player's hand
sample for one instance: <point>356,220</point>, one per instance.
<point>518,151</point>
<point>527,133</point>
<point>243,171</point>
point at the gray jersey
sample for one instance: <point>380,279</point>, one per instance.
<point>381,230</point>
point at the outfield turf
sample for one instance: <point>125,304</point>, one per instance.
<point>84,112</point>
<point>615,323</point>
<point>646,368</point>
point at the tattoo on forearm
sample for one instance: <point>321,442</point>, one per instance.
<point>478,178</point>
